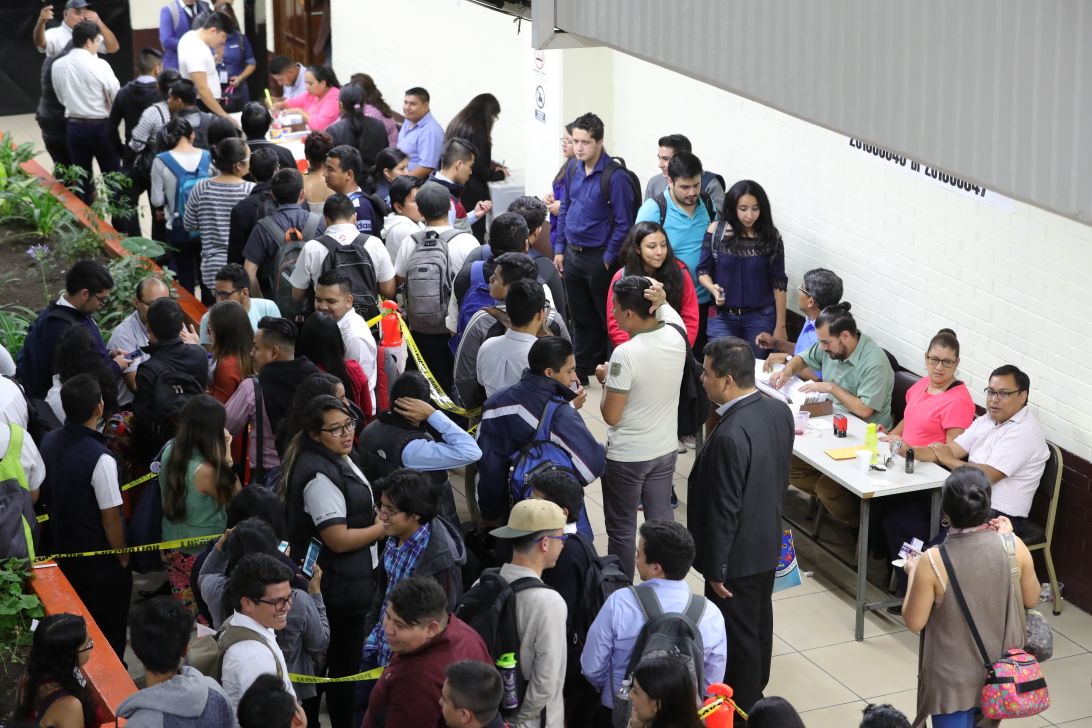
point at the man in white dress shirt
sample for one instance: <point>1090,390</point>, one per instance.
<point>51,42</point>
<point>261,592</point>
<point>86,86</point>
<point>502,359</point>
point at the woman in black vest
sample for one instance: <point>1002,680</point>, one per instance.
<point>328,499</point>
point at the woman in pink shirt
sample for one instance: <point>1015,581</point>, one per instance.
<point>319,105</point>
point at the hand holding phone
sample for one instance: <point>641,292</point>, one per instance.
<point>310,561</point>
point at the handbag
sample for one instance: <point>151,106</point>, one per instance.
<point>788,570</point>
<point>1039,640</point>
<point>1014,686</point>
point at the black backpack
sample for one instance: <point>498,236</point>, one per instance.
<point>41,419</point>
<point>354,262</point>
<point>664,633</point>
<point>603,577</point>
<point>490,608</point>
<point>140,169</point>
<point>693,401</point>
<point>171,393</point>
<point>661,202</point>
<point>30,368</point>
<point>614,164</point>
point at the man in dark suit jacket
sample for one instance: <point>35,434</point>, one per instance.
<point>736,490</point>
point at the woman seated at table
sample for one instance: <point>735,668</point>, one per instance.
<point>319,104</point>
<point>938,409</point>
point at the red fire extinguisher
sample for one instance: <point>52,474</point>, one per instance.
<point>718,710</point>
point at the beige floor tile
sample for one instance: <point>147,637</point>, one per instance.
<point>1082,723</point>
<point>877,666</point>
<point>804,684</point>
<point>836,716</point>
<point>1065,647</point>
<point>818,581</point>
<point>824,618</point>
<point>1070,694</point>
<point>1071,623</point>
<point>780,647</point>
<point>1035,721</point>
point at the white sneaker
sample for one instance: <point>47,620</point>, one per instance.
<point>688,442</point>
<point>682,446</point>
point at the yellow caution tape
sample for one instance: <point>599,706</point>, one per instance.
<point>358,677</point>
<point>42,518</point>
<point>372,322</point>
<point>438,395</point>
<point>142,479</point>
<point>707,710</point>
<point>178,543</point>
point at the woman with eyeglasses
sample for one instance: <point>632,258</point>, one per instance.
<point>328,499</point>
<point>938,409</point>
<point>51,691</point>
<point>196,481</point>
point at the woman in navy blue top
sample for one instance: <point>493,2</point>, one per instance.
<point>743,266</point>
<point>234,62</point>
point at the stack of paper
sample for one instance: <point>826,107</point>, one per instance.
<point>790,391</point>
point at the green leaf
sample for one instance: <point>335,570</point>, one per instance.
<point>144,246</point>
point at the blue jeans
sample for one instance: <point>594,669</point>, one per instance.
<point>961,719</point>
<point>746,326</point>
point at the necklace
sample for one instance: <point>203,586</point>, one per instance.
<point>974,529</point>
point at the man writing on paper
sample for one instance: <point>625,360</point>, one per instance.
<point>858,377</point>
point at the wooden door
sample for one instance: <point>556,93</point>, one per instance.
<point>296,27</point>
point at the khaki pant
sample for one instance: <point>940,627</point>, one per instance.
<point>842,504</point>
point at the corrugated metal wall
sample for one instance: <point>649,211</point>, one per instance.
<point>998,92</point>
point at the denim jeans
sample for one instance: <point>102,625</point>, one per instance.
<point>961,719</point>
<point>746,326</point>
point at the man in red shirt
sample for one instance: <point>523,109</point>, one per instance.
<point>425,639</point>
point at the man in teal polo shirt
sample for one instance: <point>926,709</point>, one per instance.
<point>858,376</point>
<point>685,213</point>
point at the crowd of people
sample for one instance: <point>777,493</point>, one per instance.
<point>300,462</point>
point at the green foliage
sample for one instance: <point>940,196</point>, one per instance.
<point>12,157</point>
<point>26,200</point>
<point>80,243</point>
<point>14,323</point>
<point>17,609</point>
<point>127,272</point>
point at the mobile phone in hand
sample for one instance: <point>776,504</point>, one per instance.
<point>313,550</point>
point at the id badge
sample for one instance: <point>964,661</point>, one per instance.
<point>223,76</point>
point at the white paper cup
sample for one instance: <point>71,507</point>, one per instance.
<point>863,460</point>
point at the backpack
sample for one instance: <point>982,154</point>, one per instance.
<point>355,263</point>
<point>185,181</point>
<point>206,654</point>
<point>172,391</point>
<point>379,209</point>
<point>489,607</point>
<point>290,244</point>
<point>18,524</point>
<point>41,419</point>
<point>30,368</point>
<point>428,281</point>
<point>661,202</point>
<point>537,456</point>
<point>603,577</point>
<point>664,633</point>
<point>141,167</point>
<point>614,164</point>
<point>476,297</point>
<point>693,401</point>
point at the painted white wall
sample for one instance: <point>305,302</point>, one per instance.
<point>914,257</point>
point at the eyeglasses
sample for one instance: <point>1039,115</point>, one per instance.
<point>386,512</point>
<point>566,142</point>
<point>934,361</point>
<point>1000,393</point>
<point>279,604</point>
<point>339,430</point>
<point>89,646</point>
<point>562,538</point>
<point>224,295</point>
<point>805,291</point>
<point>101,299</point>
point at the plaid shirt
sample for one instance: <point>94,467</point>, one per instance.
<point>400,562</point>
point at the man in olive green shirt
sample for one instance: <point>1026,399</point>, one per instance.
<point>858,376</point>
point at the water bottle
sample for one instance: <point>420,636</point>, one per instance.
<point>506,665</point>
<point>909,459</point>
<point>872,442</point>
<point>277,128</point>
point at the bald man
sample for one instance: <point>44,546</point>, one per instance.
<point>132,333</point>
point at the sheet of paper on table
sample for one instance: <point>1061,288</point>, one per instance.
<point>789,392</point>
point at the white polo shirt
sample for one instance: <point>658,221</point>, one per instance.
<point>1016,447</point>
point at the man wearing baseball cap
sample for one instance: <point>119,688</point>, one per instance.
<point>536,532</point>
<point>53,41</point>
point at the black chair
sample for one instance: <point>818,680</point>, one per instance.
<point>903,381</point>
<point>1037,531</point>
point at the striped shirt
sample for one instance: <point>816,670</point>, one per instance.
<point>208,211</point>
<point>151,120</point>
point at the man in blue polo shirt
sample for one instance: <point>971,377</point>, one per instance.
<point>685,212</point>
<point>821,288</point>
<point>590,230</point>
<point>421,136</point>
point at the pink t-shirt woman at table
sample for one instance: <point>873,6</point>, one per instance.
<point>928,416</point>
<point>321,112</point>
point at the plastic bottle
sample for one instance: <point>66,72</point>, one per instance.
<point>389,327</point>
<point>909,459</point>
<point>277,128</point>
<point>872,442</point>
<point>506,665</point>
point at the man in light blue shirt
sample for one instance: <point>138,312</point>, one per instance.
<point>665,552</point>
<point>421,136</point>
<point>685,213</point>
<point>821,288</point>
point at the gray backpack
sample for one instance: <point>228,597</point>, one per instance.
<point>428,281</point>
<point>18,526</point>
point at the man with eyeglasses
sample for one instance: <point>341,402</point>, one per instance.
<point>233,284</point>
<point>261,593</point>
<point>131,335</point>
<point>1006,443</point>
<point>819,289</point>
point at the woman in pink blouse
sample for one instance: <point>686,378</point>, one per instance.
<point>938,409</point>
<point>319,105</point>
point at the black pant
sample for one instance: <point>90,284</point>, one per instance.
<point>748,622</point>
<point>700,340</point>
<point>55,139</point>
<point>92,140</point>
<point>586,284</point>
<point>104,586</point>
<point>436,351</point>
<point>347,634</point>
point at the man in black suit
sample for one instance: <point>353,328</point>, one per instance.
<point>736,490</point>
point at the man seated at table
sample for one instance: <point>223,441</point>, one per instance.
<point>1006,443</point>
<point>858,376</point>
<point>820,288</point>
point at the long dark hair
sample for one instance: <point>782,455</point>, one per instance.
<point>351,97</point>
<point>388,158</point>
<point>232,334</point>
<point>765,230</point>
<point>76,354</point>
<point>316,384</point>
<point>774,712</point>
<point>320,341</point>
<point>55,658</point>
<point>669,273</point>
<point>667,680</point>
<point>200,432</point>
<point>311,421</point>
<point>475,120</point>
<point>564,165</point>
<point>372,95</point>
<point>324,74</point>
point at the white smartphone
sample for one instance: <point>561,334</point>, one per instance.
<point>313,550</point>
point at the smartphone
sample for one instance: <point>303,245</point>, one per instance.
<point>313,550</point>
<point>283,547</point>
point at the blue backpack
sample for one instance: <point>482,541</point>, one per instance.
<point>185,181</point>
<point>477,297</point>
<point>537,456</point>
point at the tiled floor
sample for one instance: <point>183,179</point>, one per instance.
<point>817,665</point>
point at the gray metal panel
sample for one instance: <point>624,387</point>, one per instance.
<point>993,91</point>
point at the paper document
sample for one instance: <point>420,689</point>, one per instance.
<point>790,391</point>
